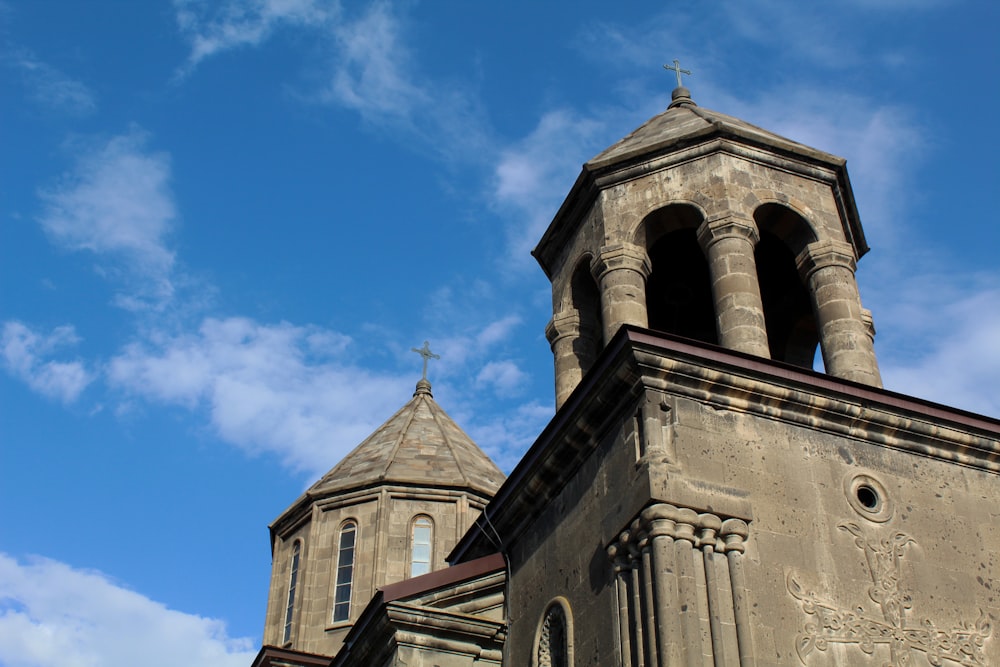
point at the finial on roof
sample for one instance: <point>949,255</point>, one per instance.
<point>423,386</point>
<point>681,95</point>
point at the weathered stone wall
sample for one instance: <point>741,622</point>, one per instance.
<point>384,517</point>
<point>870,548</point>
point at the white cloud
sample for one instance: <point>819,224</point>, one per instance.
<point>506,436</point>
<point>504,377</point>
<point>368,73</point>
<point>213,28</point>
<point>533,175</point>
<point>54,615</point>
<point>51,88</point>
<point>266,387</point>
<point>23,353</point>
<point>117,204</point>
<point>945,341</point>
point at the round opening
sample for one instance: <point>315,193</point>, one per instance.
<point>868,497</point>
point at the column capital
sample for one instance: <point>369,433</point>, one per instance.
<point>562,324</point>
<point>824,254</point>
<point>725,226</point>
<point>869,320</point>
<point>621,256</point>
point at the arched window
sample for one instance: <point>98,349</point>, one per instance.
<point>421,545</point>
<point>345,572</point>
<point>554,642</point>
<point>293,579</point>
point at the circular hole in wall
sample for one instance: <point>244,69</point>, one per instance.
<point>868,497</point>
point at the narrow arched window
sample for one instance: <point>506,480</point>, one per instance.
<point>293,579</point>
<point>345,572</point>
<point>421,545</point>
<point>553,642</point>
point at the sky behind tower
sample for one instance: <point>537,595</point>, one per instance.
<point>225,224</point>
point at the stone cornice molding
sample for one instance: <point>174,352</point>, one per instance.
<point>824,404</point>
<point>623,256</point>
<point>637,359</point>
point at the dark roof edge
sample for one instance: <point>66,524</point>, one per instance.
<point>630,340</point>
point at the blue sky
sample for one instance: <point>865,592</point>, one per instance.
<point>225,225</point>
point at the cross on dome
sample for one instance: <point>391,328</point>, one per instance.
<point>426,353</point>
<point>677,70</point>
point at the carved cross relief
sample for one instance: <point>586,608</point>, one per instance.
<point>829,623</point>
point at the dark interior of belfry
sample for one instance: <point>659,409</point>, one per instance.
<point>679,288</point>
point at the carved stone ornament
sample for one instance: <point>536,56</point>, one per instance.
<point>827,623</point>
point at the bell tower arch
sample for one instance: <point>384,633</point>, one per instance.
<point>701,225</point>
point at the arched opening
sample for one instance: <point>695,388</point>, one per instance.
<point>345,572</point>
<point>421,545</point>
<point>679,287</point>
<point>792,333</point>
<point>554,637</point>
<point>586,301</point>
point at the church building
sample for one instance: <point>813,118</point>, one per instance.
<point>702,496</point>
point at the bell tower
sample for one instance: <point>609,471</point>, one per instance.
<point>701,225</point>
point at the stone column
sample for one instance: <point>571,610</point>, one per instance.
<point>687,586</point>
<point>729,243</point>
<point>709,528</point>
<point>563,333</point>
<point>845,337</point>
<point>734,533</point>
<point>667,623</point>
<point>621,272</point>
<point>619,556</point>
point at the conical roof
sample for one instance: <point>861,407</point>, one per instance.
<point>419,445</point>
<point>685,123</point>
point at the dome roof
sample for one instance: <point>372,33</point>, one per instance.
<point>685,123</point>
<point>419,445</point>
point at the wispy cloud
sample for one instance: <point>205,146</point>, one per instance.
<point>52,89</point>
<point>24,354</point>
<point>279,388</point>
<point>117,203</point>
<point>535,173</point>
<point>213,28</point>
<point>54,615</point>
<point>944,344</point>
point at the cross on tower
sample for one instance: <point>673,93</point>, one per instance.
<point>426,353</point>
<point>677,69</point>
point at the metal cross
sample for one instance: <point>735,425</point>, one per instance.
<point>677,69</point>
<point>426,353</point>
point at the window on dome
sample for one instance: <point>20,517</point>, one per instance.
<point>293,578</point>
<point>345,572</point>
<point>421,542</point>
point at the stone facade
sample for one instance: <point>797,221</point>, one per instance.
<point>702,497</point>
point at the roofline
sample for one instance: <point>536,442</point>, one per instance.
<point>449,576</point>
<point>619,363</point>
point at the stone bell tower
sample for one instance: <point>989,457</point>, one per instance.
<point>702,225</point>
